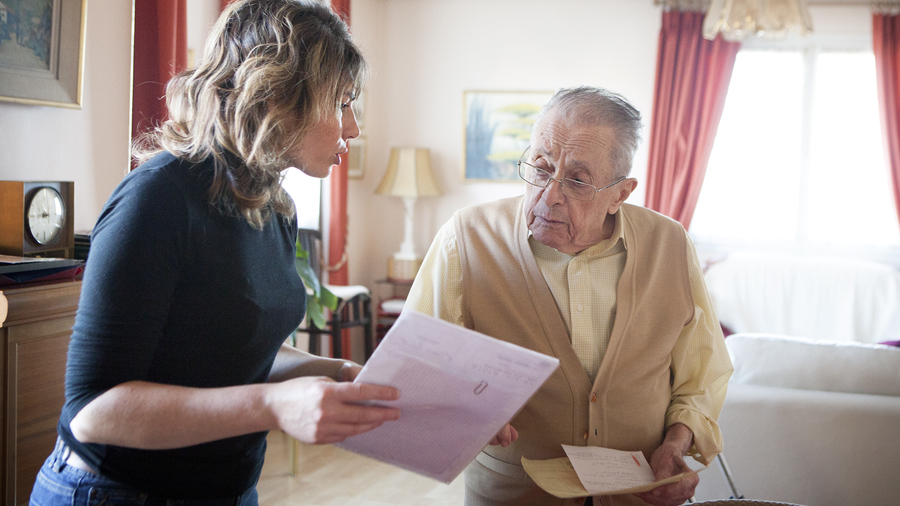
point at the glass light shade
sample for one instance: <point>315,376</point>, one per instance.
<point>737,20</point>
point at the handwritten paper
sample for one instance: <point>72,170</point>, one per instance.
<point>591,470</point>
<point>603,470</point>
<point>555,476</point>
<point>457,389</point>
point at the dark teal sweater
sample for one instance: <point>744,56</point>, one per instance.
<point>175,292</point>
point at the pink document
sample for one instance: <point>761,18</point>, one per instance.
<point>457,389</point>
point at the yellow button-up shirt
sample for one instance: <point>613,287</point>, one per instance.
<point>584,287</point>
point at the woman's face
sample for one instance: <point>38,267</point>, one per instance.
<point>324,143</point>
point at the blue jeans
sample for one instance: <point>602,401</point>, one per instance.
<point>59,484</point>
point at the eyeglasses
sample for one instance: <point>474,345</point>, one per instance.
<point>571,188</point>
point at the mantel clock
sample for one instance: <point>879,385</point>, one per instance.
<point>36,218</point>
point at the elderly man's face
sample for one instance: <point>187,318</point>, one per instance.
<point>570,150</point>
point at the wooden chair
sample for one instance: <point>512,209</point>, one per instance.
<point>354,310</point>
<point>388,312</point>
<point>354,307</point>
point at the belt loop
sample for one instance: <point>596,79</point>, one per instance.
<point>59,455</point>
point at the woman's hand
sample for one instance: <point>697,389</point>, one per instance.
<point>349,371</point>
<point>319,410</point>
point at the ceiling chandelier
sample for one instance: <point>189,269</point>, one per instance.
<point>737,20</point>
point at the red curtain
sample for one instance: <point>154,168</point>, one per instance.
<point>692,77</point>
<point>160,52</point>
<point>337,232</point>
<point>886,44</point>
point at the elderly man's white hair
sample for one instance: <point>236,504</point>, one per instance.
<point>602,108</point>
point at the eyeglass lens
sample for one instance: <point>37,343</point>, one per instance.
<point>541,178</point>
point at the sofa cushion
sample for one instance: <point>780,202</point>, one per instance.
<point>793,362</point>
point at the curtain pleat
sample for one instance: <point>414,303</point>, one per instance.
<point>160,52</point>
<point>692,78</point>
<point>886,45</point>
<point>337,231</point>
<point>338,274</point>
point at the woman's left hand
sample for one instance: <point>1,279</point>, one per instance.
<point>349,371</point>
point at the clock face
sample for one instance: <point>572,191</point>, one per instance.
<point>46,215</point>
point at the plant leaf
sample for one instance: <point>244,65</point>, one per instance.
<point>308,275</point>
<point>314,312</point>
<point>328,299</point>
<point>321,297</point>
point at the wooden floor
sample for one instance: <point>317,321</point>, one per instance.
<point>330,476</point>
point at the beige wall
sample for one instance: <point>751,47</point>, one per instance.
<point>425,53</point>
<point>88,146</point>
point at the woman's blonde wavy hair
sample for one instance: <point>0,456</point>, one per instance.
<point>272,69</point>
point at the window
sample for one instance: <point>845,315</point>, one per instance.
<point>798,162</point>
<point>307,194</point>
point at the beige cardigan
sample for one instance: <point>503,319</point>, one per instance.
<point>505,296</point>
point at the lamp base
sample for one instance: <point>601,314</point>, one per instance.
<point>403,270</point>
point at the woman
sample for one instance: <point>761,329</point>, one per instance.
<point>177,365</point>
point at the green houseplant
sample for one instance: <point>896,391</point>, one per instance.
<point>318,297</point>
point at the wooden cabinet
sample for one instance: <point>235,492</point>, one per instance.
<point>35,325</point>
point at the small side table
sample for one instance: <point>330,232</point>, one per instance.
<point>399,288</point>
<point>390,306</point>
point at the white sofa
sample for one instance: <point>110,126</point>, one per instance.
<point>811,420</point>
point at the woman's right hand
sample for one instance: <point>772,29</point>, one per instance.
<point>319,410</point>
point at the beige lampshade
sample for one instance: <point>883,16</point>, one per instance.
<point>409,174</point>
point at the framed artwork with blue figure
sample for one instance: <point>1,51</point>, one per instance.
<point>497,129</point>
<point>42,51</point>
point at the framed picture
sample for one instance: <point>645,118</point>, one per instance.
<point>356,162</point>
<point>42,51</point>
<point>497,129</point>
<point>359,109</point>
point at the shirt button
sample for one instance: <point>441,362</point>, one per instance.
<point>580,308</point>
<point>585,436</point>
<point>593,397</point>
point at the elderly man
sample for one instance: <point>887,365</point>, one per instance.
<point>614,291</point>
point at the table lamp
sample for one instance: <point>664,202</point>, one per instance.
<point>408,176</point>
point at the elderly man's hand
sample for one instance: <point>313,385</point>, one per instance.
<point>507,435</point>
<point>668,460</point>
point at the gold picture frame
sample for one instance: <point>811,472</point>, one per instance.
<point>356,157</point>
<point>42,62</point>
